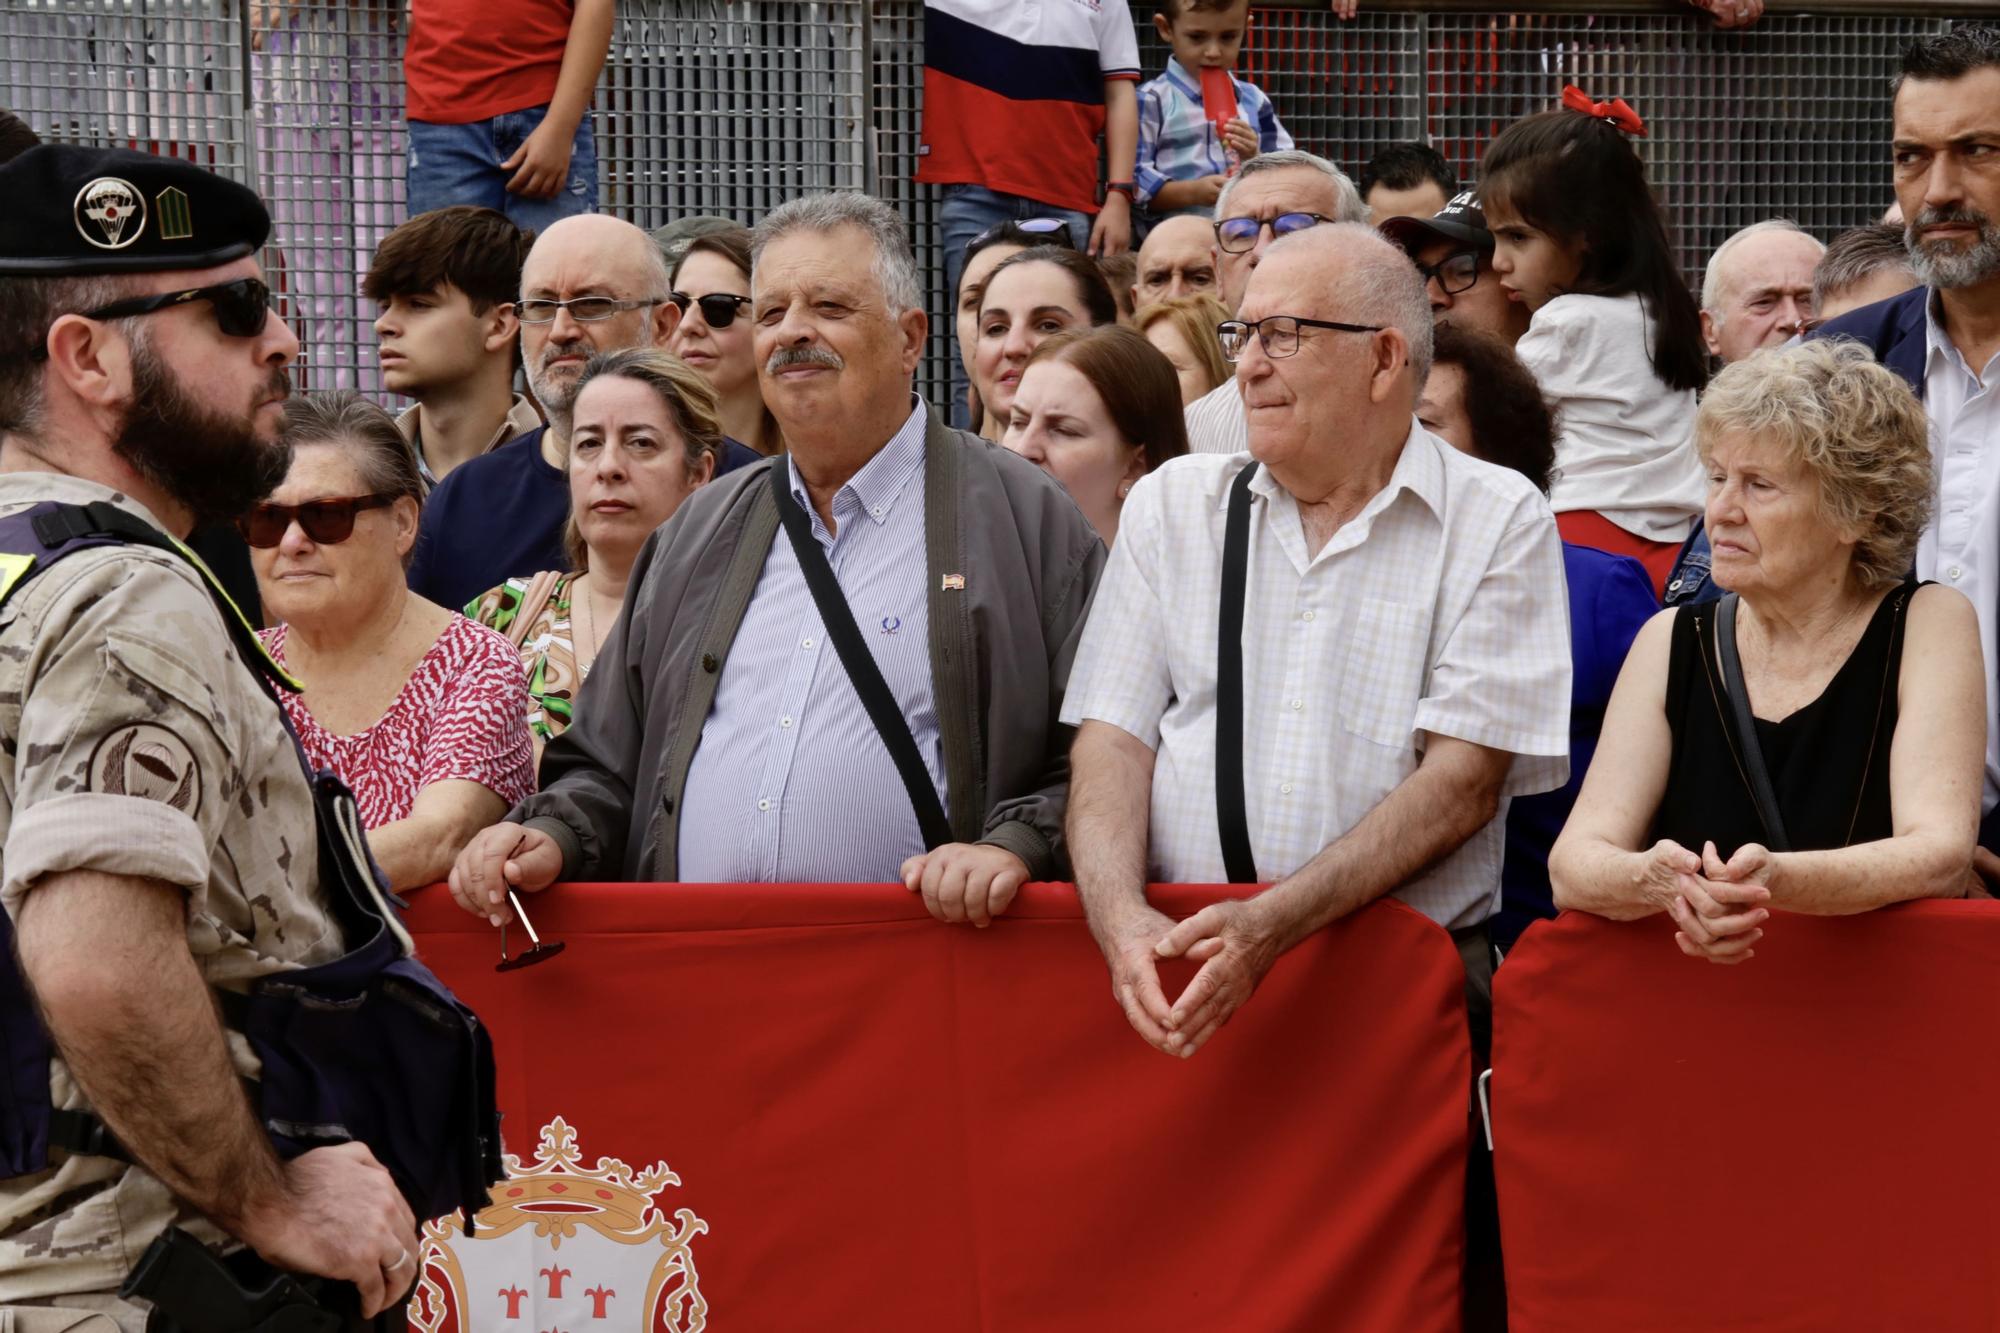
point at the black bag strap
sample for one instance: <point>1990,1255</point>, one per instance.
<point>1234,825</point>
<point>1761,791</point>
<point>889,721</point>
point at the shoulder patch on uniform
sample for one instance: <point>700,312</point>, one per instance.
<point>148,761</point>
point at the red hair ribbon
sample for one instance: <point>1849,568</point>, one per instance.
<point>1616,111</point>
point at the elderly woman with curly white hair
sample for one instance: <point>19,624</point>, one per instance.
<point>1814,742</point>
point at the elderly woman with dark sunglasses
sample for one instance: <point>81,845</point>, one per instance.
<point>422,712</point>
<point>711,285</point>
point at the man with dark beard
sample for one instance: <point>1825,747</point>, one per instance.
<point>1944,336</point>
<point>156,828</point>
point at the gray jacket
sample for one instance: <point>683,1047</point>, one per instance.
<point>1000,651</point>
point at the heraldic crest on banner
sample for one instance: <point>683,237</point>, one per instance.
<point>565,1249</point>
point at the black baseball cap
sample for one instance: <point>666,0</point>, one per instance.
<point>1462,220</point>
<point>79,211</point>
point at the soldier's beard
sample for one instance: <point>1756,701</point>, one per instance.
<point>214,463</point>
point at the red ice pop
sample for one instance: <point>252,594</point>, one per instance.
<point>1218,102</point>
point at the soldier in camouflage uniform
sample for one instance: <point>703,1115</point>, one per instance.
<point>156,827</point>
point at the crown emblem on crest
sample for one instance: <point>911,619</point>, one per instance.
<point>110,213</point>
<point>562,1246</point>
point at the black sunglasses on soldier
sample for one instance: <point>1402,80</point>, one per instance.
<point>326,522</point>
<point>240,308</point>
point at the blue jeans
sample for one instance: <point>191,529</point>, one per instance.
<point>967,211</point>
<point>460,164</point>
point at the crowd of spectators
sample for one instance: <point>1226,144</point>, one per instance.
<point>1332,558</point>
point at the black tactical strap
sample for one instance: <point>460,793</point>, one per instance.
<point>1237,858</point>
<point>860,663</point>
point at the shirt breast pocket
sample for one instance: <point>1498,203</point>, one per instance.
<point>1382,677</point>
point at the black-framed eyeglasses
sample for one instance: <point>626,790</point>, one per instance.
<point>240,307</point>
<point>1237,235</point>
<point>1278,333</point>
<point>1024,231</point>
<point>718,309</point>
<point>327,522</point>
<point>1456,272</point>
<point>583,309</point>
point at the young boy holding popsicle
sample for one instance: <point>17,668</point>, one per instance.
<point>1198,122</point>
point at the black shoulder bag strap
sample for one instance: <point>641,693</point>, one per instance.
<point>1237,858</point>
<point>1761,791</point>
<point>889,721</point>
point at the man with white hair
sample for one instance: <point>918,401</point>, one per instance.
<point>590,284</point>
<point>1384,667</point>
<point>1271,195</point>
<point>868,694</point>
<point>1758,289</point>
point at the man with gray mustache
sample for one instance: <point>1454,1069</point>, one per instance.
<point>590,284</point>
<point>844,664</point>
<point>1944,336</point>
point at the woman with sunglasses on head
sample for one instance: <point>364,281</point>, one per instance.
<point>420,711</point>
<point>1031,296</point>
<point>711,285</point>
<point>646,436</point>
<point>988,250</point>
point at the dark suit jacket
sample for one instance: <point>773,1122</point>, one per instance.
<point>1892,329</point>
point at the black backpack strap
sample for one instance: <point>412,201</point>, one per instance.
<point>1237,858</point>
<point>889,721</point>
<point>60,525</point>
<point>1761,791</point>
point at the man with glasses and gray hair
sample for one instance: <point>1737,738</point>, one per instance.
<point>1354,620</point>
<point>590,284</point>
<point>1271,195</point>
<point>843,664</point>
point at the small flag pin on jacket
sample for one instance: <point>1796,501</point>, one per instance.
<point>954,583</point>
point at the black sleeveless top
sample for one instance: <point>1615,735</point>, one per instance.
<point>1829,761</point>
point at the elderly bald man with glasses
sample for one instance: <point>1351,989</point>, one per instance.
<point>1383,667</point>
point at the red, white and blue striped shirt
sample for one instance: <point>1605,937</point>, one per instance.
<point>1014,94</point>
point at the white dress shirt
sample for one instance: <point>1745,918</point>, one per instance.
<point>1215,421</point>
<point>1627,444</point>
<point>1439,608</point>
<point>1961,547</point>
<point>791,782</point>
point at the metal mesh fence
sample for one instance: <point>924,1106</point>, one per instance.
<point>731,106</point>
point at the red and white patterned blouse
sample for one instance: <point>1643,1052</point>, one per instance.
<point>463,714</point>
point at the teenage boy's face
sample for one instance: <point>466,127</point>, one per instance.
<point>432,340</point>
<point>1210,38</point>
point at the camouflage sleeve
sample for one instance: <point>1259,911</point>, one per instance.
<point>122,760</point>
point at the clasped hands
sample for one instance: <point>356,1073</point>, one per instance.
<point>1235,942</point>
<point>1719,906</point>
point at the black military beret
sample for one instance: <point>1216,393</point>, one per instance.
<point>73,210</point>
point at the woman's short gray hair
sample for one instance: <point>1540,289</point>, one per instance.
<point>1856,426</point>
<point>895,265</point>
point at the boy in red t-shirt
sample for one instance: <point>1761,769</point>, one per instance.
<point>499,105</point>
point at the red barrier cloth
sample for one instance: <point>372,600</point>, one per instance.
<point>888,1123</point>
<point>1799,1142</point>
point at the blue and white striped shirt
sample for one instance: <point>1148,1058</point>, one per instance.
<point>791,782</point>
<point>1177,144</point>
